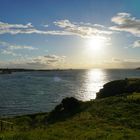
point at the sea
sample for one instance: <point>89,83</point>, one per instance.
<point>40,91</point>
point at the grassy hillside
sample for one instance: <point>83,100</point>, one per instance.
<point>110,118</point>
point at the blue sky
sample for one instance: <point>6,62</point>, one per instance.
<point>47,34</point>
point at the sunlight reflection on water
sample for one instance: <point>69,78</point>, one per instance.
<point>94,81</point>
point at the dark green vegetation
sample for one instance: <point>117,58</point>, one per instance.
<point>119,87</point>
<point>111,118</point>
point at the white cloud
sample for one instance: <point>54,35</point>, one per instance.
<point>8,52</point>
<point>47,60</point>
<point>121,18</point>
<point>64,24</point>
<point>31,31</point>
<point>8,26</point>
<point>9,49</point>
<point>39,62</point>
<point>46,25</point>
<point>14,28</point>
<point>25,29</point>
<point>15,47</point>
<point>82,30</point>
<point>136,44</point>
<point>125,22</point>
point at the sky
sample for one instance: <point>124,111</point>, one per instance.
<point>63,34</point>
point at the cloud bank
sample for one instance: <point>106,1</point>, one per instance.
<point>84,30</point>
<point>39,62</point>
<point>125,22</point>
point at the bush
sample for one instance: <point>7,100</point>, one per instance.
<point>119,87</point>
<point>112,88</point>
<point>67,108</point>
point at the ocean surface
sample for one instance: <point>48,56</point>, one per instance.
<point>32,92</point>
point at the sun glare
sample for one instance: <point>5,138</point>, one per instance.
<point>95,44</point>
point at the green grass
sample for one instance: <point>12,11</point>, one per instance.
<point>111,118</point>
<point>134,96</point>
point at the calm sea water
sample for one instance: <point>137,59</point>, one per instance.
<point>31,92</point>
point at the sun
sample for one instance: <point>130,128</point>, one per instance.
<point>95,44</point>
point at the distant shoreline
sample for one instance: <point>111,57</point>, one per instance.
<point>10,70</point>
<point>4,71</point>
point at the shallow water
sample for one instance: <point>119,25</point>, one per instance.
<point>32,92</point>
